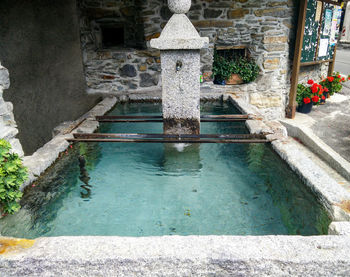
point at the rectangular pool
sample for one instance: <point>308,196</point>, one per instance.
<point>157,189</point>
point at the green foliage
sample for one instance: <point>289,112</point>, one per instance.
<point>333,83</point>
<point>223,68</point>
<point>12,176</point>
<point>303,92</point>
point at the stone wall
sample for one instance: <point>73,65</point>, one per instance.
<point>8,127</point>
<point>115,69</point>
<point>315,72</point>
<point>265,27</point>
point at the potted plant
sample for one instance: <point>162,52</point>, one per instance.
<point>334,82</point>
<point>307,96</point>
<point>237,70</point>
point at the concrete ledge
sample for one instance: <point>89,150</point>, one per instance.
<point>182,256</point>
<point>329,192</point>
<point>318,146</point>
<point>339,228</point>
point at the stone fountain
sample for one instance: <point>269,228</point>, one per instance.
<point>180,46</point>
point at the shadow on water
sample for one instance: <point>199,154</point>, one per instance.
<point>43,199</point>
<point>84,177</point>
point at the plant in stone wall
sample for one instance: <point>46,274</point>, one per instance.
<point>334,83</point>
<point>12,176</point>
<point>223,68</point>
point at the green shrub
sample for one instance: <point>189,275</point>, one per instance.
<point>223,68</point>
<point>12,176</point>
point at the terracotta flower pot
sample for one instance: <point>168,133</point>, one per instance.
<point>305,108</point>
<point>235,79</point>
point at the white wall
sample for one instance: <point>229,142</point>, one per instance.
<point>346,27</point>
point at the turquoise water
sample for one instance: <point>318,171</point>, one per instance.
<point>156,189</point>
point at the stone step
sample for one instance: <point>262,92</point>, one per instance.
<point>322,164</point>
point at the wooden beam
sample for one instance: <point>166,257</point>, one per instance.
<point>161,120</point>
<point>162,136</point>
<point>314,62</point>
<point>171,140</point>
<point>229,116</point>
<point>332,62</point>
<point>290,112</point>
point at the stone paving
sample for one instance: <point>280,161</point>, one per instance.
<point>332,122</point>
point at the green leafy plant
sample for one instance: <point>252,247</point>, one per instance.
<point>12,176</point>
<point>223,68</point>
<point>309,94</point>
<point>334,82</point>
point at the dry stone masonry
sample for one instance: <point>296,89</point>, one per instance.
<point>8,127</point>
<point>266,28</point>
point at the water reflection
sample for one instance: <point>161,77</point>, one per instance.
<point>84,177</point>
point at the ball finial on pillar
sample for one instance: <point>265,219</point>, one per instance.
<point>179,6</point>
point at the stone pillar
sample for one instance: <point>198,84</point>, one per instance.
<point>180,46</point>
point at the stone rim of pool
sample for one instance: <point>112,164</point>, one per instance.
<point>175,255</point>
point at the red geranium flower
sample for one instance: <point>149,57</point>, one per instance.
<point>349,78</point>
<point>343,79</point>
<point>315,99</point>
<point>339,76</point>
<point>323,98</point>
<point>306,100</point>
<point>314,88</point>
<point>310,82</point>
<point>326,90</point>
<point>330,79</point>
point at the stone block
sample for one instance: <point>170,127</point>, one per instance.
<point>276,4</point>
<point>272,63</point>
<point>149,61</point>
<point>148,53</point>
<point>4,77</point>
<point>142,67</point>
<point>213,23</point>
<point>275,47</point>
<point>275,39</point>
<point>265,101</point>
<point>275,12</point>
<point>148,80</point>
<point>212,13</point>
<point>128,70</point>
<point>237,13</point>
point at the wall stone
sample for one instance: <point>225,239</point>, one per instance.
<point>8,127</point>
<point>265,27</point>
